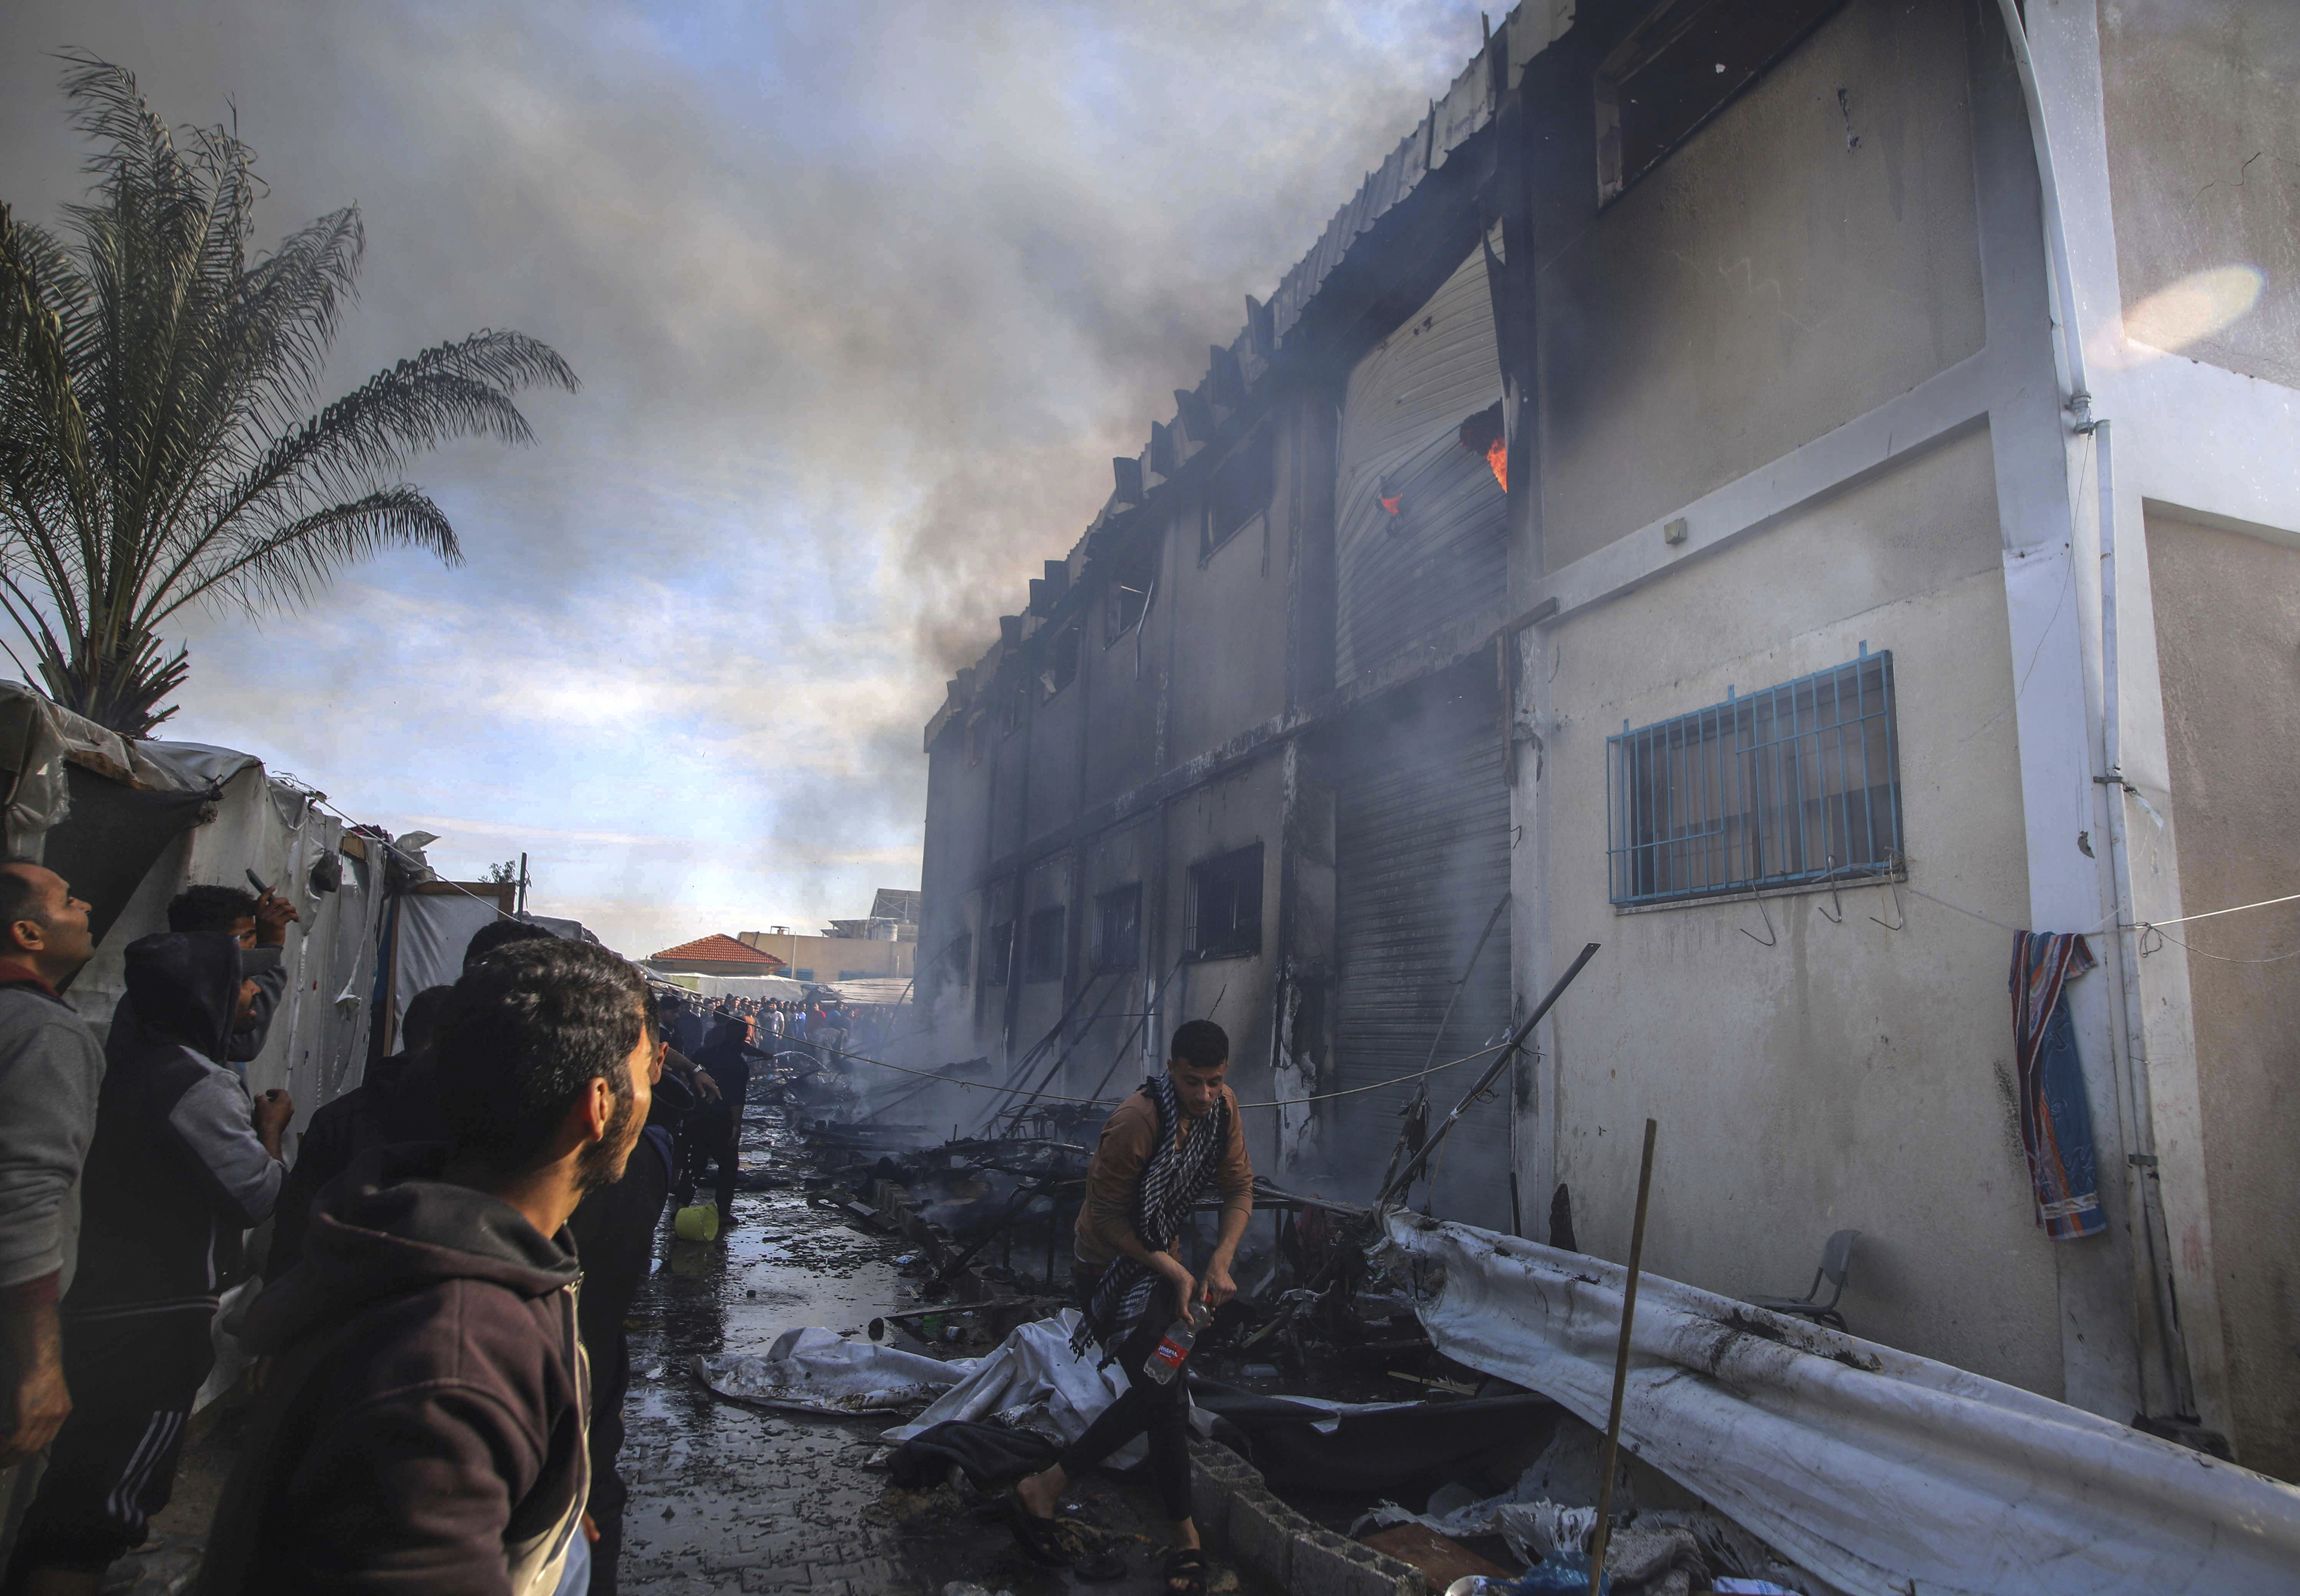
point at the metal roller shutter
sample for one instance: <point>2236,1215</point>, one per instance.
<point>1420,534</point>
<point>1422,857</point>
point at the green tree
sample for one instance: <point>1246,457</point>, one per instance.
<point>161,439</point>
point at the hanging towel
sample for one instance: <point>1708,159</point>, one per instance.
<point>2055,1121</point>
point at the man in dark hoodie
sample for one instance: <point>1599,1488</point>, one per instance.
<point>421,1425</point>
<point>260,927</point>
<point>396,1102</point>
<point>182,1164</point>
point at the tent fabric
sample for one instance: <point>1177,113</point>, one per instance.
<point>1878,1470</point>
<point>1030,1381</point>
<point>433,930</point>
<point>817,1371</point>
<point>109,836</point>
<point>191,767</point>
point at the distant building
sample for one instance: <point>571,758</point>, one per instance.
<point>883,944</point>
<point>716,955</point>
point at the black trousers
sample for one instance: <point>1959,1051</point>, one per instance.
<point>113,1464</point>
<point>1160,1412</point>
<point>705,1139</point>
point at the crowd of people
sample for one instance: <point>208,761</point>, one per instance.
<point>439,1355</point>
<point>820,1029</point>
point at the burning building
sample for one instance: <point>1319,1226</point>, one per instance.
<point>1796,493</point>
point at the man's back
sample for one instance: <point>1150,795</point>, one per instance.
<point>422,1426</point>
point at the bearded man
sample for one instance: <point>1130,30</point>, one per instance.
<point>421,1423</point>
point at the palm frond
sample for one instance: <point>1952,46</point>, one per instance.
<point>287,565</point>
<point>162,441</point>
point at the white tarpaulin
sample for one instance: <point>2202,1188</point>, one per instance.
<point>816,1370</point>
<point>1031,1380</point>
<point>1882,1472</point>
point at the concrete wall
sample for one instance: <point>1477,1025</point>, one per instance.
<point>2202,102</point>
<point>1770,278</point>
<point>1849,1075</point>
<point>2227,616</point>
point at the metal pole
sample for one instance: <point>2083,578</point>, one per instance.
<point>1621,1371</point>
<point>1405,1177</point>
<point>522,883</point>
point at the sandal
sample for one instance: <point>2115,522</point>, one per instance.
<point>1186,1572</point>
<point>1036,1536</point>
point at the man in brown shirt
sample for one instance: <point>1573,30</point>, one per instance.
<point>1174,1139</point>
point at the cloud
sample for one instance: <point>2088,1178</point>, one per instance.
<point>863,297</point>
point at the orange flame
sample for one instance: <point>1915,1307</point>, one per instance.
<point>1497,457</point>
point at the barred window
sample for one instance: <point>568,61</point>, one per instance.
<point>1118,928</point>
<point>1799,783</point>
<point>997,952</point>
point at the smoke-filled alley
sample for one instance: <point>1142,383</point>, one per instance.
<point>1302,800</point>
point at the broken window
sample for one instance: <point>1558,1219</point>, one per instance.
<point>1043,958</point>
<point>997,952</point>
<point>1133,576</point>
<point>977,735</point>
<point>1118,928</point>
<point>1797,784</point>
<point>1059,665</point>
<point>1679,68</point>
<point>1224,911</point>
<point>1013,707</point>
<point>960,961</point>
<point>1239,490</point>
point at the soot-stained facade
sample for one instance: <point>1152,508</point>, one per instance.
<point>1786,491</point>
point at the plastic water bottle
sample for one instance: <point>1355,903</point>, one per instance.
<point>1173,1349</point>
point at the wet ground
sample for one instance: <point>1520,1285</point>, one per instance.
<point>727,1499</point>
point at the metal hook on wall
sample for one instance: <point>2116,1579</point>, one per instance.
<point>1771,938</point>
<point>1900,915</point>
<point>1833,895</point>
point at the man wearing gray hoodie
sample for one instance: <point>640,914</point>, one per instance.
<point>51,1068</point>
<point>181,1165</point>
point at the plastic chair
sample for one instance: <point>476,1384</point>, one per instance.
<point>1835,1259</point>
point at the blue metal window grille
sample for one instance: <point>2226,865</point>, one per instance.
<point>1797,784</point>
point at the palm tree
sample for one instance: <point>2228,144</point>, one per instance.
<point>162,442</point>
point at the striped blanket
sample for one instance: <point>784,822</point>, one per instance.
<point>2055,1120</point>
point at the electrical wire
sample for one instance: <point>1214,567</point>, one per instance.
<point>1283,1102</point>
<point>2213,914</point>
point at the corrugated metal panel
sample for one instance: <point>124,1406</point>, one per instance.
<point>1444,553</point>
<point>1422,857</point>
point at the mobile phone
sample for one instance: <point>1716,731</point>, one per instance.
<point>257,882</point>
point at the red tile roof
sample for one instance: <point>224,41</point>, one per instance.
<point>718,949</point>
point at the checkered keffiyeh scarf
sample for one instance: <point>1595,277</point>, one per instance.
<point>1171,1179</point>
